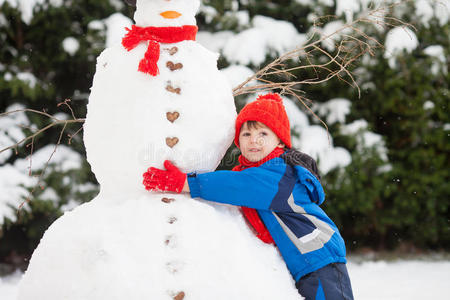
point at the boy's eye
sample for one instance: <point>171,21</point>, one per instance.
<point>263,133</point>
<point>246,134</point>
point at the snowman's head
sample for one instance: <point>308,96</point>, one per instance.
<point>166,13</point>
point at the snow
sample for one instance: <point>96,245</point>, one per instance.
<point>330,30</point>
<point>442,11</point>
<point>214,41</point>
<point>438,53</point>
<point>8,286</point>
<point>70,45</point>
<point>28,78</point>
<point>26,6</point>
<point>243,17</point>
<point>399,39</point>
<point>11,129</point>
<point>348,8</point>
<point>315,140</point>
<point>305,2</point>
<point>14,179</point>
<point>371,280</point>
<point>236,74</point>
<point>115,28</point>
<point>197,247</point>
<point>117,4</point>
<point>12,182</point>
<point>3,22</point>
<point>409,280</point>
<point>327,2</point>
<point>267,35</point>
<point>424,10</point>
<point>96,25</point>
<point>49,194</point>
<point>64,159</point>
<point>335,110</point>
<point>365,138</point>
<point>427,9</point>
<point>428,105</point>
<point>208,11</point>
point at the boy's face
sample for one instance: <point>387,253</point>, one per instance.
<point>257,142</point>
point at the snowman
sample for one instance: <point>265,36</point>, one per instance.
<point>156,96</point>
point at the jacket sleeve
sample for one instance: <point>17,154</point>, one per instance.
<point>253,187</point>
<point>311,184</point>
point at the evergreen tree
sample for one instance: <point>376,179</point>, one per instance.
<point>381,199</point>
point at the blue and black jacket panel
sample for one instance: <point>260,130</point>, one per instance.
<point>286,192</point>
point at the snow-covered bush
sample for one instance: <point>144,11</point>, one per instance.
<point>384,162</point>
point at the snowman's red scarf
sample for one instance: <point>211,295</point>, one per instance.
<point>154,36</point>
<point>251,214</point>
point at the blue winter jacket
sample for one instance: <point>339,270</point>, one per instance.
<point>287,195</point>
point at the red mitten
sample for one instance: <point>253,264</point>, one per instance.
<point>170,180</point>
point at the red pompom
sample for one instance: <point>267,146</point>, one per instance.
<point>271,96</point>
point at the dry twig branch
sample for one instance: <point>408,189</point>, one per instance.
<point>31,139</point>
<point>354,43</point>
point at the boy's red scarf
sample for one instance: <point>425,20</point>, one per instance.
<point>156,35</point>
<point>251,214</point>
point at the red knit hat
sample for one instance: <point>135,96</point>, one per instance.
<point>269,110</point>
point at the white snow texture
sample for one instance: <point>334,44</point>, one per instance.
<point>128,243</point>
<point>127,248</point>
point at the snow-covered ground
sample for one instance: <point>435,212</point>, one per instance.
<point>372,280</point>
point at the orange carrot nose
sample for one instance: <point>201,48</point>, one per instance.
<point>170,14</point>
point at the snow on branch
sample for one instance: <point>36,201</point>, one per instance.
<point>348,44</point>
<point>30,139</point>
<point>54,122</point>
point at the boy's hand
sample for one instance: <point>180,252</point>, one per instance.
<point>170,180</point>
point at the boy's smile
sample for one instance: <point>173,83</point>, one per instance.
<point>256,142</point>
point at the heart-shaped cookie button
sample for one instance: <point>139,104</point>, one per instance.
<point>173,67</point>
<point>172,116</point>
<point>172,141</point>
<point>171,89</point>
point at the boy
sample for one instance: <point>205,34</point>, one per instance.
<point>280,192</point>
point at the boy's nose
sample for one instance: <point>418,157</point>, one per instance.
<point>257,140</point>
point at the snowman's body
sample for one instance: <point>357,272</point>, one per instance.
<point>136,128</point>
<point>131,244</point>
